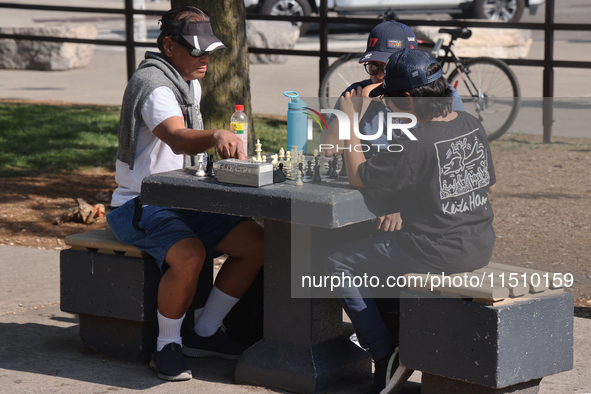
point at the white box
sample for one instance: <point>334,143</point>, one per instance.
<point>244,172</point>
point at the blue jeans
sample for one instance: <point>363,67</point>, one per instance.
<point>379,256</point>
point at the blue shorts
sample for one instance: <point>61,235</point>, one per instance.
<point>160,228</point>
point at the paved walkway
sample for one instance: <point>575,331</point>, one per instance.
<point>41,350</point>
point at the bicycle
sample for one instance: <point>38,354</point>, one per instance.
<point>487,86</point>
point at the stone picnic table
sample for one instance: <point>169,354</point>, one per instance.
<point>303,349</point>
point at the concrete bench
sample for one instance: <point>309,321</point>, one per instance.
<point>468,338</point>
<point>113,288</point>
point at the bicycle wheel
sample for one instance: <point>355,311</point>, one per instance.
<point>339,76</point>
<point>490,91</point>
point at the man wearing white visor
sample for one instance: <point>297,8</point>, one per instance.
<point>161,129</point>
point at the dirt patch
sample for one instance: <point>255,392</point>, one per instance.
<point>542,207</point>
<point>30,207</point>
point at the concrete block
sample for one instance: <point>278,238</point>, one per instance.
<point>497,43</point>
<point>109,285</point>
<point>116,299</point>
<point>433,384</point>
<point>46,55</point>
<point>122,339</point>
<point>270,34</point>
<point>492,346</point>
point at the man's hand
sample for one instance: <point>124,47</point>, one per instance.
<point>228,145</point>
<point>392,222</point>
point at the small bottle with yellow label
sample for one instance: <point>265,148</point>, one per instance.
<point>239,125</point>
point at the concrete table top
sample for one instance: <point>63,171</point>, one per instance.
<point>330,204</point>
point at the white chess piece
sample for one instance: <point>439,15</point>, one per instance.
<point>258,150</point>
<point>275,162</point>
<point>264,159</point>
<point>281,155</point>
<point>200,171</point>
<point>299,177</point>
<point>323,169</point>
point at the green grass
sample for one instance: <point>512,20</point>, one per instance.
<point>37,139</point>
<point>272,131</point>
<point>46,139</point>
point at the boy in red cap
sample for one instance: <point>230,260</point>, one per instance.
<point>439,178</point>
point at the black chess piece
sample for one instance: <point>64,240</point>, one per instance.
<point>335,165</point>
<point>301,169</point>
<point>278,175</point>
<point>343,172</point>
<point>316,178</point>
<point>209,171</point>
<point>309,172</point>
<point>330,169</point>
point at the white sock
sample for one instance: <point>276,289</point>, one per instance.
<point>169,330</point>
<point>215,310</point>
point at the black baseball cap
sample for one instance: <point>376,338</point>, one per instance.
<point>405,70</point>
<point>386,38</point>
<point>197,33</point>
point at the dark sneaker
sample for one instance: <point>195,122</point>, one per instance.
<point>218,345</point>
<point>170,364</point>
<point>389,375</point>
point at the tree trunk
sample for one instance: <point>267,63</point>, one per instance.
<point>226,82</point>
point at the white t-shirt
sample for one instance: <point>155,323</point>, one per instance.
<point>151,155</point>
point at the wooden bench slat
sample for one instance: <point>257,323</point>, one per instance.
<point>485,293</point>
<point>529,272</point>
<point>102,241</point>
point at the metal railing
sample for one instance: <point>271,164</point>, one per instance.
<point>548,62</point>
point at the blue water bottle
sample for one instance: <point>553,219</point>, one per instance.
<point>297,122</point>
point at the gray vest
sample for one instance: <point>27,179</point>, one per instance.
<point>153,72</point>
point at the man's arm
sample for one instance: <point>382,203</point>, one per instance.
<point>173,132</point>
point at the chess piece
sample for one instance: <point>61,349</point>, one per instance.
<point>275,162</point>
<point>299,175</point>
<point>258,150</point>
<point>209,169</point>
<point>281,155</point>
<point>343,172</point>
<point>335,167</point>
<point>200,171</point>
<point>322,163</point>
<point>287,162</point>
<point>316,178</point>
<point>309,172</point>
<point>315,152</point>
<point>330,168</point>
<point>278,175</point>
<point>264,159</point>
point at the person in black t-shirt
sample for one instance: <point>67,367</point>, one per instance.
<point>439,175</point>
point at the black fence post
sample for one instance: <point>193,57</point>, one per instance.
<point>323,35</point>
<point>548,76</point>
<point>129,40</point>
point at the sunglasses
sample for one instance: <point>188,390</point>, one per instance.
<point>193,51</point>
<point>373,68</point>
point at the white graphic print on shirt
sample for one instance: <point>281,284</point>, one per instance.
<point>463,168</point>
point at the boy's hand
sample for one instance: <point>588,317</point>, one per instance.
<point>351,101</point>
<point>392,222</point>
